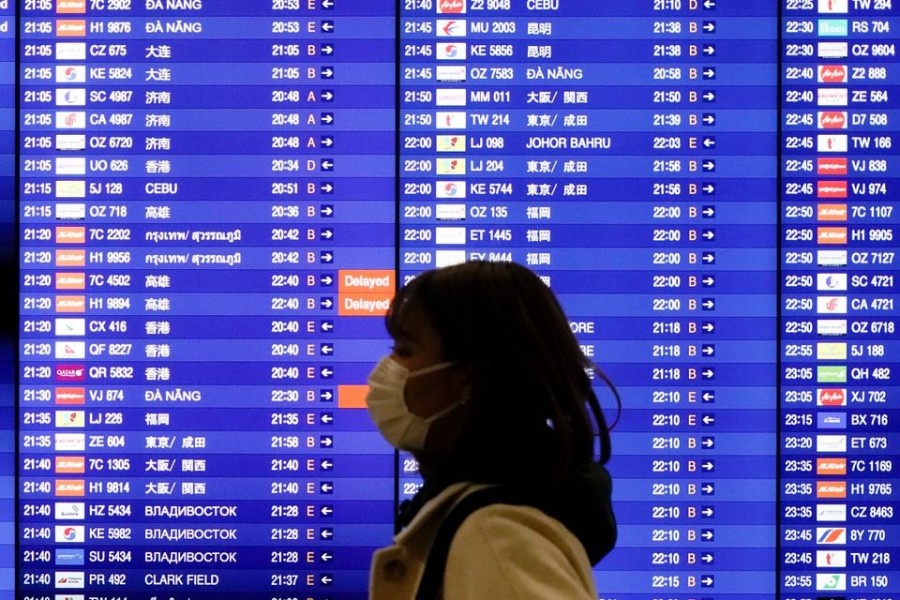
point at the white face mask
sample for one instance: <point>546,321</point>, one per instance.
<point>387,405</point>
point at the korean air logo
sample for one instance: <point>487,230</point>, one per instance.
<point>456,51</point>
<point>69,533</point>
<point>451,189</point>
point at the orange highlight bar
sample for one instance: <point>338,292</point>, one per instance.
<point>71,28</point>
<point>832,235</point>
<point>832,212</point>
<point>71,7</point>
<point>352,396</point>
<point>365,293</point>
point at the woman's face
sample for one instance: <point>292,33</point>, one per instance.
<point>417,347</point>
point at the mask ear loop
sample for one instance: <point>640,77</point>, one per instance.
<point>609,384</point>
<point>431,369</point>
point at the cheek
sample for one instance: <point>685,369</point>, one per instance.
<point>429,394</point>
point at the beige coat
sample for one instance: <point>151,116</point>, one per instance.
<point>501,552</point>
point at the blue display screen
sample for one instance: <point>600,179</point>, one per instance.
<point>209,206</point>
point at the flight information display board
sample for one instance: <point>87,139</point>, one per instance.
<point>216,200</point>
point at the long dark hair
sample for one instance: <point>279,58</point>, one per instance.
<point>534,415</point>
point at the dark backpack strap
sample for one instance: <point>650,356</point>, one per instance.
<point>433,577</point>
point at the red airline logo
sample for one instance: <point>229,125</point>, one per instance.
<point>831,166</point>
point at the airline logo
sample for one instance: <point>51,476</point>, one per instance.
<point>832,119</point>
<point>68,442</point>
<point>831,466</point>
<point>70,350</point>
<point>826,165</point>
<point>451,7</point>
<point>832,212</point>
<point>69,557</point>
<point>66,211</point>
<point>69,597</point>
<point>72,511</point>
<point>833,49</point>
<point>71,97</point>
<point>70,418</point>
<point>71,28</point>
<point>831,350</point>
<point>70,579</point>
<point>70,304</point>
<point>73,7</point>
<point>833,6</point>
<point>831,512</point>
<point>829,142</point>
<point>70,142</point>
<point>831,374</point>
<point>446,258</point>
<point>451,189</point>
<point>71,74</point>
<point>450,97</point>
<point>71,119</point>
<point>831,559</point>
<point>831,489</point>
<point>831,235</point>
<point>70,258</point>
<point>450,212</point>
<point>71,488</point>
<point>69,395</point>
<point>831,443</point>
<point>70,533</point>
<point>826,420</point>
<point>450,166</point>
<point>832,74</point>
<point>450,51</point>
<point>68,327</point>
<point>70,189</point>
<point>831,258</point>
<point>451,28</point>
<point>836,305</point>
<point>70,281</point>
<point>833,28</point>
<point>827,536</point>
<point>71,51</point>
<point>832,96</point>
<point>450,120</point>
<point>70,373</point>
<point>450,74</point>
<point>451,143</point>
<point>831,327</point>
<point>831,189</point>
<point>450,235</point>
<point>831,397</point>
<point>70,464</point>
<point>835,282</point>
<point>71,235</point>
<point>70,165</point>
<point>835,582</point>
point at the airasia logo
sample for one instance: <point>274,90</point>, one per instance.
<point>832,74</point>
<point>832,397</point>
<point>452,6</point>
<point>833,119</point>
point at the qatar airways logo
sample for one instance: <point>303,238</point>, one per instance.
<point>70,373</point>
<point>455,7</point>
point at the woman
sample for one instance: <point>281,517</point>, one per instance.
<point>487,386</point>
